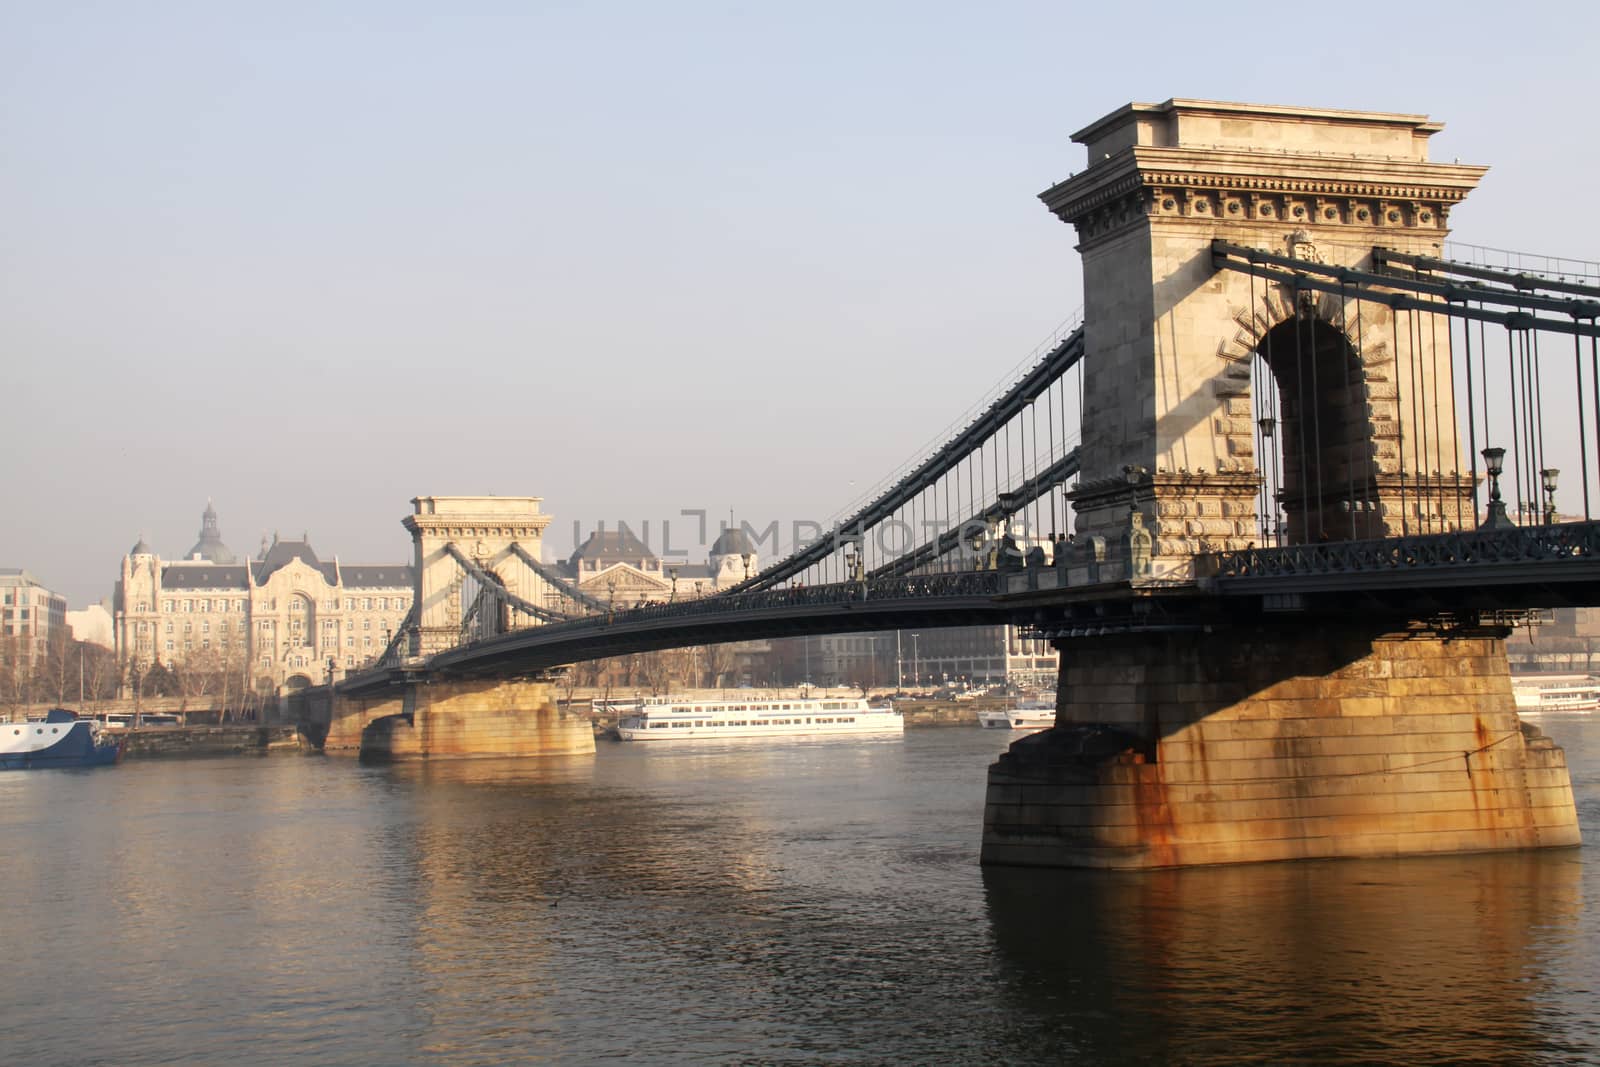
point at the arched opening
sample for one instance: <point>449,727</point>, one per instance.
<point>296,682</point>
<point>1314,442</point>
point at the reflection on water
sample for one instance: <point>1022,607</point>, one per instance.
<point>733,903</point>
<point>1442,960</point>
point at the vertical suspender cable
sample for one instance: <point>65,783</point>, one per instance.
<point>1346,423</point>
<point>1419,420</point>
<point>1536,398</point>
<point>1305,417</point>
<point>1369,477</point>
<point>1517,439</point>
<point>1529,432</point>
<point>1399,419</point>
<point>1472,423</point>
<point>1438,426</point>
<point>1583,437</point>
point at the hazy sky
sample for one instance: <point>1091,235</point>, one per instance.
<point>314,259</point>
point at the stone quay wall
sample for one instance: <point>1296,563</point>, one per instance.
<point>186,742</point>
<point>1278,742</point>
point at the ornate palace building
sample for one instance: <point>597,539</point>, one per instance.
<point>285,618</point>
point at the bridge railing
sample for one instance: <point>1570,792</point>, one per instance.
<point>1465,548</point>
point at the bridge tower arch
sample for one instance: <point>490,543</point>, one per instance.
<point>499,533</point>
<point>1171,422</point>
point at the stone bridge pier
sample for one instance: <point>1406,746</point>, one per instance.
<point>1275,742</point>
<point>1255,738</point>
<point>441,718</point>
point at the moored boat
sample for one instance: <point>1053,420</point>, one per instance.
<point>61,739</point>
<point>681,720</point>
<point>1556,694</point>
<point>1027,717</point>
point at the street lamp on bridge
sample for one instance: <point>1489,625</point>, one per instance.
<point>1548,478</point>
<point>1496,518</point>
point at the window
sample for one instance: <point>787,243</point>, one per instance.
<point>205,642</point>
<point>166,605</point>
<point>350,641</point>
<point>366,603</point>
<point>327,624</point>
<point>205,627</point>
<point>205,605</point>
<point>349,661</point>
<point>369,641</point>
<point>188,627</point>
<point>266,626</point>
<point>366,624</point>
<point>144,605</point>
<point>266,661</point>
<point>349,603</point>
<point>188,605</point>
<point>188,645</point>
<point>169,626</point>
<point>169,646</point>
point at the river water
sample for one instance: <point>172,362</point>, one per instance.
<point>818,902</point>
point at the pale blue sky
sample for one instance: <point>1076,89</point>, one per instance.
<point>312,259</point>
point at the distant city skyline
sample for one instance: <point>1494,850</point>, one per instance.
<point>312,262</point>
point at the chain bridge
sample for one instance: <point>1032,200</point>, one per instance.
<point>1277,498</point>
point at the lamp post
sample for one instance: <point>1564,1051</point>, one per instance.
<point>1548,478</point>
<point>1496,518</point>
<point>673,596</point>
<point>611,600</point>
<point>748,558</point>
<point>916,670</point>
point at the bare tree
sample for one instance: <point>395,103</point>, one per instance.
<point>15,674</point>
<point>655,668</point>
<point>56,668</point>
<point>199,676</point>
<point>99,670</point>
<point>720,662</point>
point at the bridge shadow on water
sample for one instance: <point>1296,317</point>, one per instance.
<point>1439,960</point>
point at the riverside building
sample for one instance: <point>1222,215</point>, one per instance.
<point>286,619</point>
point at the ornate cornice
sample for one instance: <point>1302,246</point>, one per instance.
<point>1230,186</point>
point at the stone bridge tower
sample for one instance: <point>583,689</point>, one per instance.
<point>485,528</point>
<point>1169,421</point>
<point>1297,731</point>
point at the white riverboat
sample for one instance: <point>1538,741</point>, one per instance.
<point>683,720</point>
<point>1556,694</point>
<point>1027,717</point>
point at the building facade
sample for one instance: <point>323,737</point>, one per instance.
<point>284,620</point>
<point>29,612</point>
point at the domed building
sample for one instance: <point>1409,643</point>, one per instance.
<point>210,547</point>
<point>283,619</point>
